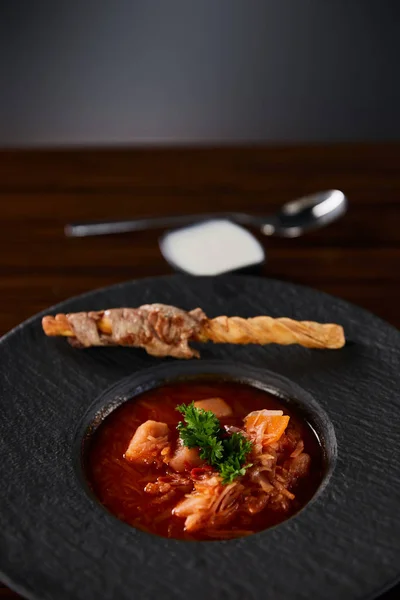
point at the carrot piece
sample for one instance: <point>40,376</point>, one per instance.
<point>270,425</point>
<point>276,427</point>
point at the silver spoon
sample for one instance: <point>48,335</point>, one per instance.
<point>294,218</point>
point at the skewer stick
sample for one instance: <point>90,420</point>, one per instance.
<point>231,330</point>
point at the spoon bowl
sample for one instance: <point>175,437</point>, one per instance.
<point>306,214</point>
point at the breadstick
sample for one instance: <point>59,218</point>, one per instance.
<point>166,330</point>
<point>266,330</point>
<point>60,326</point>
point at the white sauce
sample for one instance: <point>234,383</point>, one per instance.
<point>211,248</point>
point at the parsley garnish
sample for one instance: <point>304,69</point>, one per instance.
<point>201,429</point>
<point>236,448</point>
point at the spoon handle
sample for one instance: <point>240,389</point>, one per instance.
<point>144,223</point>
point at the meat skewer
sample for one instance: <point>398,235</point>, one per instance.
<point>164,330</point>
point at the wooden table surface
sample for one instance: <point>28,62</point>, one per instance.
<point>40,191</point>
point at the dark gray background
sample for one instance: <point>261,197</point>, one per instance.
<point>179,71</point>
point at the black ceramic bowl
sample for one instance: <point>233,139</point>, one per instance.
<point>297,399</point>
<point>58,543</point>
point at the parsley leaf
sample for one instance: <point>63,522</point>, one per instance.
<point>202,429</point>
<point>236,448</point>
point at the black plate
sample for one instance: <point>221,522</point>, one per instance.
<point>57,543</point>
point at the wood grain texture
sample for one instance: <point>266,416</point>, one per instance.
<point>356,259</point>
